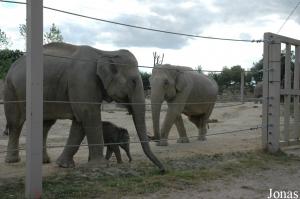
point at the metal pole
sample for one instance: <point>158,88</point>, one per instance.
<point>34,99</point>
<point>242,85</point>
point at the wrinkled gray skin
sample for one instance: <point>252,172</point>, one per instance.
<point>107,75</point>
<point>258,92</point>
<point>111,134</point>
<point>182,90</point>
<point>115,134</point>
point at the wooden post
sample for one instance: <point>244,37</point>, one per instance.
<point>242,85</point>
<point>271,109</point>
<point>287,97</point>
<point>296,98</point>
<point>34,99</point>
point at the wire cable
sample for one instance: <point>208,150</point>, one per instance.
<point>138,142</point>
<point>141,27</point>
<point>286,20</point>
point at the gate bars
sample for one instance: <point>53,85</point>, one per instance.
<point>274,88</point>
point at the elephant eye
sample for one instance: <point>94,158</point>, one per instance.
<point>166,82</point>
<point>133,83</point>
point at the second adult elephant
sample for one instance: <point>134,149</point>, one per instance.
<point>81,77</point>
<point>185,91</point>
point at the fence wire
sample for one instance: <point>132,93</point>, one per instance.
<point>139,142</point>
<point>140,27</point>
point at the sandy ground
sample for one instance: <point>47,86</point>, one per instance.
<point>236,117</point>
<point>229,119</point>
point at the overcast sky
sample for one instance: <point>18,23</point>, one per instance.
<point>239,19</point>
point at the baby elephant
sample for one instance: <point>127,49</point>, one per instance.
<point>112,135</point>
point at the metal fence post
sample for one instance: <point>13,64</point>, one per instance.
<point>242,85</point>
<point>34,99</point>
<point>271,93</point>
<point>287,97</point>
<point>296,98</point>
<point>265,102</point>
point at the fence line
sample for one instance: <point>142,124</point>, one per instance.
<point>129,103</point>
<point>138,142</point>
<point>149,67</point>
<point>141,27</point>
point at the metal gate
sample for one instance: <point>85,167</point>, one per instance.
<point>281,71</point>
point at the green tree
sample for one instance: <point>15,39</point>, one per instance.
<point>4,41</point>
<point>7,57</point>
<point>199,69</point>
<point>145,78</point>
<point>256,71</point>
<point>54,35</point>
<point>228,78</point>
<point>23,30</point>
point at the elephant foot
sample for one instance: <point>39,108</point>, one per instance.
<point>65,162</point>
<point>162,143</point>
<point>153,138</point>
<point>46,159</point>
<point>12,159</point>
<point>183,140</point>
<point>98,162</point>
<point>202,138</point>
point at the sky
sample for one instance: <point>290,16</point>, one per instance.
<point>238,19</point>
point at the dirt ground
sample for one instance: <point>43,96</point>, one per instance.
<point>229,118</point>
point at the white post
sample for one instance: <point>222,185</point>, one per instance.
<point>242,85</point>
<point>265,102</point>
<point>34,99</point>
<point>296,98</point>
<point>287,97</point>
<point>271,105</point>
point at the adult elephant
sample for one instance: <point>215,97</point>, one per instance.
<point>186,91</point>
<point>81,77</point>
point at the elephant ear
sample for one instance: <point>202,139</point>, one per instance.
<point>180,81</point>
<point>106,70</point>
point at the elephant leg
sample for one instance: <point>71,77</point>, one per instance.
<point>200,122</point>
<point>95,140</point>
<point>108,153</point>
<point>117,152</point>
<point>75,138</point>
<point>13,143</point>
<point>46,127</point>
<point>202,129</point>
<point>181,130</point>
<point>174,111</point>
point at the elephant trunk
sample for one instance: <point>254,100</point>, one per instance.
<point>156,102</point>
<point>138,115</point>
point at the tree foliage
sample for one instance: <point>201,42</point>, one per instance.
<point>4,41</point>
<point>229,77</point>
<point>145,78</point>
<point>54,34</point>
<point>7,57</point>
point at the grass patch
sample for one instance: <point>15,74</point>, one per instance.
<point>142,178</point>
